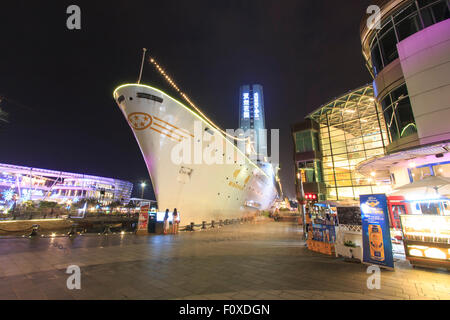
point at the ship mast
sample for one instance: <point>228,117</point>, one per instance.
<point>142,64</point>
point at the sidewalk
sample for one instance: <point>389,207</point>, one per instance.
<point>265,260</point>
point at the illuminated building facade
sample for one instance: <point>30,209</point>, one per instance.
<point>251,117</point>
<point>409,58</point>
<point>26,183</point>
<point>333,140</point>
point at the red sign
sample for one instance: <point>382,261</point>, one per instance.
<point>143,218</point>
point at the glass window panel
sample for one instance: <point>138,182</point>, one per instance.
<point>408,10</point>
<point>391,124</point>
<point>424,3</point>
<point>362,190</point>
<point>442,170</point>
<point>344,183</point>
<point>343,176</point>
<point>405,121</point>
<point>345,193</point>
<point>338,152</point>
<point>408,27</point>
<point>373,145</point>
<point>440,12</point>
<point>388,44</point>
<point>377,63</point>
<point>339,138</point>
<point>420,173</point>
<point>399,93</point>
<point>330,184</point>
<point>374,152</point>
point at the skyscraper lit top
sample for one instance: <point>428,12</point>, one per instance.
<point>251,116</point>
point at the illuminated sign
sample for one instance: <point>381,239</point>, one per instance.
<point>246,105</point>
<point>256,105</point>
<point>377,246</point>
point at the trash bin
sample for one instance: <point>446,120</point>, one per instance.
<point>151,227</point>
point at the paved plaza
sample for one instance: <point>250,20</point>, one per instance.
<point>265,260</point>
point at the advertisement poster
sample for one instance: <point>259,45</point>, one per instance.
<point>143,218</point>
<point>377,246</point>
<point>324,233</point>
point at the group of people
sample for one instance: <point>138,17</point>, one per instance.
<point>175,222</point>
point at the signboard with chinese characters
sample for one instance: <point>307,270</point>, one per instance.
<point>377,246</point>
<point>246,103</point>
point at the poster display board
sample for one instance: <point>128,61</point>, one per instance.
<point>377,246</point>
<point>143,219</point>
<point>324,233</point>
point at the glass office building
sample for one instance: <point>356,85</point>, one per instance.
<point>351,130</point>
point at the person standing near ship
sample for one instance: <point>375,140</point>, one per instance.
<point>166,222</point>
<point>176,221</point>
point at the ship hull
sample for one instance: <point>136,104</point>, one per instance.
<point>200,191</point>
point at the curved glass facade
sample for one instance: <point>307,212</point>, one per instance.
<point>411,18</point>
<point>351,131</point>
<point>398,114</point>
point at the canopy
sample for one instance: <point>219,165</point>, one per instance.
<point>428,185</point>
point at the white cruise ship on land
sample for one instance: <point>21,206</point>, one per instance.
<point>200,192</point>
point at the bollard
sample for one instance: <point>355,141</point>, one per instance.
<point>73,231</point>
<point>192,227</point>
<point>106,230</point>
<point>34,230</point>
<point>203,224</point>
<point>212,224</point>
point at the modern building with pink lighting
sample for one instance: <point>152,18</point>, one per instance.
<point>409,59</point>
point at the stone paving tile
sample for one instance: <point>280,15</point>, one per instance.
<point>249,261</point>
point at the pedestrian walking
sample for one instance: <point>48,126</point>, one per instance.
<point>176,221</point>
<point>166,222</point>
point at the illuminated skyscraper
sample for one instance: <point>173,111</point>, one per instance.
<point>251,117</point>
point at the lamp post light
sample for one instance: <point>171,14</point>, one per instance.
<point>143,184</point>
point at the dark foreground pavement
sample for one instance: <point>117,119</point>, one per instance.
<point>266,260</point>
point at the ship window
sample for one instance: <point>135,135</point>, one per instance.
<point>121,98</point>
<point>149,97</point>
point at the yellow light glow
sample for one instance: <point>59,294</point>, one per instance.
<point>164,74</point>
<point>435,253</point>
<point>416,253</point>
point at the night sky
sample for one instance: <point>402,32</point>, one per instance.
<point>58,83</point>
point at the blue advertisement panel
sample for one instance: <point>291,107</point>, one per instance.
<point>377,246</point>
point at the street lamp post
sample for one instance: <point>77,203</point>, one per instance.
<point>143,184</point>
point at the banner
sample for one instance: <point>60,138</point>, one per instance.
<point>377,246</point>
<point>143,218</point>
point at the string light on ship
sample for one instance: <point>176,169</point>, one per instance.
<point>186,98</point>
